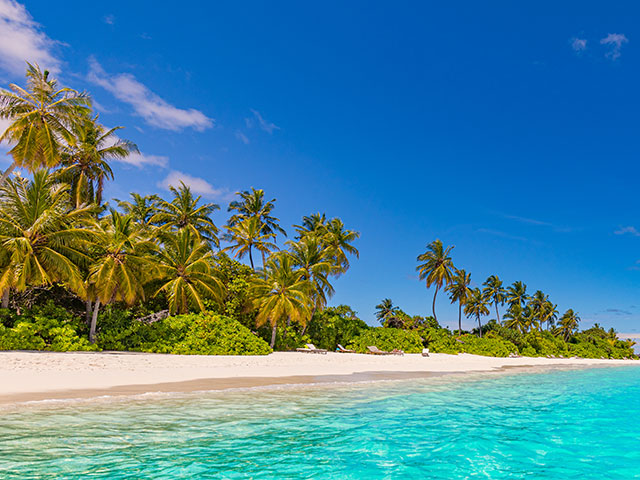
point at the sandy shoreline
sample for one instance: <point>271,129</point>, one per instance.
<point>32,376</point>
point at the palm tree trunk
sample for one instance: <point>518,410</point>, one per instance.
<point>251,260</point>
<point>313,312</point>
<point>94,321</point>
<point>497,314</point>
<point>433,306</point>
<point>273,335</point>
<point>5,298</point>
<point>459,318</point>
<point>87,311</point>
<point>7,172</point>
<point>479,327</point>
<point>263,259</point>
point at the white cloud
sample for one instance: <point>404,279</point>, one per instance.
<point>4,147</point>
<point>155,110</point>
<point>579,44</point>
<point>630,230</point>
<point>140,160</point>
<point>242,137</point>
<point>262,123</point>
<point>198,185</point>
<point>22,40</point>
<point>615,41</point>
<point>109,19</point>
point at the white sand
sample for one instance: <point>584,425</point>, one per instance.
<point>33,374</point>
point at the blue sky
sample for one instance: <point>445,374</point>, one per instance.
<point>507,130</point>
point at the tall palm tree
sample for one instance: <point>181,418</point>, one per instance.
<point>386,311</point>
<point>247,235</point>
<point>549,314</point>
<point>141,208</point>
<point>185,211</point>
<point>495,292</point>
<point>39,236</point>
<point>517,294</point>
<point>459,291</point>
<point>280,293</point>
<point>516,318</point>
<point>85,159</point>
<point>41,118</point>
<point>185,265</point>
<point>477,306</point>
<point>436,268</point>
<point>338,240</point>
<point>313,224</point>
<point>568,324</point>
<point>538,305</point>
<point>316,266</point>
<point>121,263</point>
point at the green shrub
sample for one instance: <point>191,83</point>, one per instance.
<point>333,326</point>
<point>440,340</point>
<point>491,345</point>
<point>388,339</point>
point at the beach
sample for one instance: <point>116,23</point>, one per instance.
<point>32,376</point>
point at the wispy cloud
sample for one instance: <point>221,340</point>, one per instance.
<point>578,44</point>
<point>498,233</point>
<point>4,147</point>
<point>627,230</point>
<point>242,137</point>
<point>617,311</point>
<point>21,38</point>
<point>109,19</point>
<point>258,119</point>
<point>153,109</point>
<point>536,222</point>
<point>615,42</point>
<point>198,185</point>
<point>142,160</point>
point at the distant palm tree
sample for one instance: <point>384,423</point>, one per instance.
<point>494,292</point>
<point>517,294</point>
<point>459,291</point>
<point>386,311</point>
<point>185,211</point>
<point>436,268</point>
<point>538,306</point>
<point>187,272</point>
<point>41,118</point>
<point>247,235</point>
<point>141,208</point>
<point>85,159</point>
<point>516,318</point>
<point>39,236</point>
<point>477,306</point>
<point>280,293</point>
<point>568,324</point>
<point>549,314</point>
<point>121,265</point>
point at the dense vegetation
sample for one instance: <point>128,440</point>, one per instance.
<point>158,274</point>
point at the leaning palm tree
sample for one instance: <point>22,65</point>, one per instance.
<point>141,208</point>
<point>121,263</point>
<point>185,211</point>
<point>517,294</point>
<point>386,311</point>
<point>494,291</point>
<point>41,116</point>
<point>436,268</point>
<point>247,235</point>
<point>459,291</point>
<point>477,306</point>
<point>338,241</point>
<point>314,224</point>
<point>538,305</point>
<point>516,318</point>
<point>280,293</point>
<point>188,277</point>
<point>549,314</point>
<point>85,159</point>
<point>39,236</point>
<point>567,325</point>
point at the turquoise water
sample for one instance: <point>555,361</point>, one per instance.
<point>581,424</point>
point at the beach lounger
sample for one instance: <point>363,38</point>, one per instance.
<point>341,349</point>
<point>425,352</point>
<point>376,351</point>
<point>395,351</point>
<point>311,348</point>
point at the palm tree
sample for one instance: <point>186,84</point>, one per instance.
<point>39,236</point>
<point>568,324</point>
<point>337,239</point>
<point>184,211</point>
<point>187,272</point>
<point>517,293</point>
<point>386,311</point>
<point>459,291</point>
<point>549,314</point>
<point>313,224</point>
<point>246,236</point>
<point>121,264</point>
<point>315,264</point>
<point>41,119</point>
<point>85,159</point>
<point>537,306</point>
<point>477,306</point>
<point>436,268</point>
<point>141,208</point>
<point>495,292</point>
<point>281,292</point>
<point>516,318</point>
